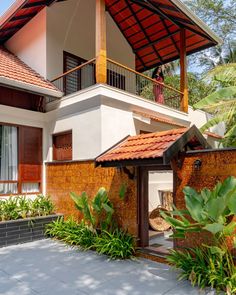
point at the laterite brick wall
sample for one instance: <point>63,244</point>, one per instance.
<point>63,178</point>
<point>216,166</point>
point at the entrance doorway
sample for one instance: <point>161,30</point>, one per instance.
<point>160,197</point>
<point>155,195</point>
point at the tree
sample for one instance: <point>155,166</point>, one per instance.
<point>221,17</point>
<point>222,102</point>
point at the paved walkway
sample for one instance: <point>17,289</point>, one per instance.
<point>49,267</point>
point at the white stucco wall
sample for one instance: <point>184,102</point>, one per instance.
<point>29,43</point>
<point>71,27</point>
<point>86,131</point>
<point>158,181</point>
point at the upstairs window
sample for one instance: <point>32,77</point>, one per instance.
<point>62,146</point>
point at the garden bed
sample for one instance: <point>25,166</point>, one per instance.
<point>19,231</point>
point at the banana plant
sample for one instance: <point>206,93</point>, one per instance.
<point>97,212</point>
<point>210,210</point>
<point>101,204</point>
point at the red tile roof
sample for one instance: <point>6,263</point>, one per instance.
<point>143,146</point>
<point>160,119</point>
<point>12,68</point>
<point>214,135</point>
<point>152,28</point>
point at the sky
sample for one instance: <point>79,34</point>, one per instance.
<point>4,5</point>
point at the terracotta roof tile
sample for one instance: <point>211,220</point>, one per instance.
<point>214,135</point>
<point>143,146</point>
<point>160,119</point>
<point>11,67</point>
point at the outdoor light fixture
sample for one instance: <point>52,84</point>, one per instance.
<point>197,164</point>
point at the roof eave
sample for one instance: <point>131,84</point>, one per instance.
<point>11,11</point>
<point>198,21</point>
<point>30,88</point>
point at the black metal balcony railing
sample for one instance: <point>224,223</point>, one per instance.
<point>122,77</point>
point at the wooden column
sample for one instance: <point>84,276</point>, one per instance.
<point>183,71</point>
<point>101,50</point>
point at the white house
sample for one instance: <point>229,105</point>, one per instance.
<point>94,52</point>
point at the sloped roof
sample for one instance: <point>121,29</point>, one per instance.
<point>159,119</point>
<point>159,145</point>
<point>14,72</point>
<point>151,27</point>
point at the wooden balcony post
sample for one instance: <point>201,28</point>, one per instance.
<point>183,72</point>
<point>101,50</point>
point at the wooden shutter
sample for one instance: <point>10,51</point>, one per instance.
<point>72,81</point>
<point>30,154</point>
<point>62,146</point>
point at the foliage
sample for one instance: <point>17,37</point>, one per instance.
<point>72,233</point>
<point>205,267</point>
<point>98,212</point>
<point>116,244</point>
<point>198,89</point>
<point>220,16</point>
<point>21,207</point>
<point>211,211</point>
<point>222,102</point>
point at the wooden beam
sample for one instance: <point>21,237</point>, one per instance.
<point>101,50</point>
<point>183,71</point>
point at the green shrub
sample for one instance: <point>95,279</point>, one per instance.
<point>212,211</point>
<point>21,207</point>
<point>41,206</point>
<point>206,266</point>
<point>117,244</point>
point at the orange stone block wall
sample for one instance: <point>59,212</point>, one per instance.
<point>216,166</point>
<point>78,176</point>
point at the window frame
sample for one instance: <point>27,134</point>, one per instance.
<point>19,180</point>
<point>80,61</point>
<point>54,135</point>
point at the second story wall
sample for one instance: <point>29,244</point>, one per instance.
<point>71,28</point>
<point>29,43</point>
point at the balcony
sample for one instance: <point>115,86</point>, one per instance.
<point>121,77</point>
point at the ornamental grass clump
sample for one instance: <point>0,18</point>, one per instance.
<point>210,211</point>
<point>72,233</point>
<point>116,244</point>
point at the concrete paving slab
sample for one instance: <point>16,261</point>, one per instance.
<point>48,267</point>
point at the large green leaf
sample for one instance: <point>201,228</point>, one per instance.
<point>227,186</point>
<point>82,204</point>
<point>214,208</point>
<point>214,228</point>
<point>232,203</point>
<point>230,228</point>
<point>173,221</point>
<point>99,199</point>
<point>194,204</point>
<point>224,94</point>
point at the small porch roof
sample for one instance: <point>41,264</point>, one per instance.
<point>151,27</point>
<point>153,148</point>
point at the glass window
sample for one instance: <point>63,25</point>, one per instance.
<point>8,160</point>
<point>30,187</point>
